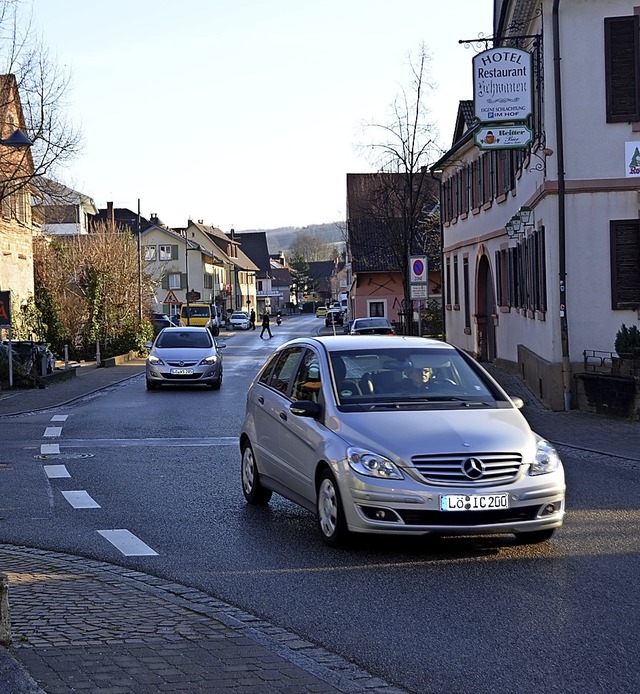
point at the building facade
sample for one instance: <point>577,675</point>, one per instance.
<point>542,243</point>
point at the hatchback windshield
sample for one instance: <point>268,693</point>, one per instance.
<point>171,338</point>
<point>403,375</point>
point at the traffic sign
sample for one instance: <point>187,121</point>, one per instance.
<point>5,308</point>
<point>171,299</point>
<point>418,269</point>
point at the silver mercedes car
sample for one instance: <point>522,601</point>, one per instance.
<point>184,356</point>
<point>390,434</point>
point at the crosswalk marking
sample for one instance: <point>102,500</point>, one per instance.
<point>80,499</point>
<point>59,418</point>
<point>52,432</point>
<point>127,543</point>
<point>56,471</point>
<point>50,449</point>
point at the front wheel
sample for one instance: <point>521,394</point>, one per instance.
<point>535,537</point>
<point>252,489</point>
<point>330,514</point>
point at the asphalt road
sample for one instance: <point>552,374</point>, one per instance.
<point>457,615</point>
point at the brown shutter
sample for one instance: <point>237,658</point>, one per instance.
<point>622,68</point>
<point>625,264</point>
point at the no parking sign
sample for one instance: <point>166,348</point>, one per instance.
<point>418,269</point>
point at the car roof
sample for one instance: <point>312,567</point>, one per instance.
<point>339,343</point>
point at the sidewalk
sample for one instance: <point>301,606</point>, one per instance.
<point>81,625</point>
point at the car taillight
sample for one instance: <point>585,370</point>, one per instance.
<point>390,332</point>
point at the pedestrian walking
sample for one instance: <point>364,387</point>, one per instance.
<point>252,319</point>
<point>266,325</point>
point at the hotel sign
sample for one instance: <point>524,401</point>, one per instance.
<point>502,85</point>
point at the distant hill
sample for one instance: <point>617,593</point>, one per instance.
<point>279,239</point>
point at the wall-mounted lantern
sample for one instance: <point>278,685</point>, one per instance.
<point>522,220</point>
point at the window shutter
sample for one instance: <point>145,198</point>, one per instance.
<point>625,264</point>
<point>164,283</point>
<point>622,68</point>
<point>174,251</point>
<point>183,280</point>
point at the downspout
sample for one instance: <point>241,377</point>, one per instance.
<point>562,260</point>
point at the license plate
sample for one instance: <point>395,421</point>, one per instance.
<point>182,372</point>
<point>473,502</point>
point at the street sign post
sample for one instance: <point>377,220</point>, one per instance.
<point>5,320</point>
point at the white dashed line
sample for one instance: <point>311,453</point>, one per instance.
<point>52,432</point>
<point>59,418</point>
<point>127,543</point>
<point>50,449</point>
<point>56,471</point>
<point>80,499</point>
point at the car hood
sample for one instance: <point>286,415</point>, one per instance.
<point>177,353</point>
<point>402,434</point>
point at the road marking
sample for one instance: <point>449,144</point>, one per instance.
<point>56,471</point>
<point>52,432</point>
<point>173,442</point>
<point>59,418</point>
<point>80,499</point>
<point>127,543</point>
<point>50,449</point>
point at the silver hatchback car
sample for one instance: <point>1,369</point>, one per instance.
<point>184,356</point>
<point>396,435</point>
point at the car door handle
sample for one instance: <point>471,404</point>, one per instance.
<point>261,400</point>
<point>283,416</point>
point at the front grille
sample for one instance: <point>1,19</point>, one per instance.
<point>452,519</point>
<point>183,364</point>
<point>448,470</point>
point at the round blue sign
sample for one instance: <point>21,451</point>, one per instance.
<point>418,267</point>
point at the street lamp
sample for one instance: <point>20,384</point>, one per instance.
<point>17,139</point>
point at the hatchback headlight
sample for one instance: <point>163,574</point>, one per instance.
<point>546,459</point>
<point>152,359</point>
<point>210,360</point>
<point>373,465</point>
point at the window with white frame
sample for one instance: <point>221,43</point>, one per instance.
<point>377,309</point>
<point>164,252</point>
<point>150,253</point>
<point>175,280</point>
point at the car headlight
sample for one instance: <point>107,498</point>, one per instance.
<point>546,459</point>
<point>373,465</point>
<point>152,359</point>
<point>210,360</point>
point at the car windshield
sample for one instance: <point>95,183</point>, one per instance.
<point>240,316</point>
<point>171,338</point>
<point>371,323</point>
<point>196,311</point>
<point>393,377</point>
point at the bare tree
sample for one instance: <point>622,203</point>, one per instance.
<point>311,248</point>
<point>398,212</point>
<point>43,87</point>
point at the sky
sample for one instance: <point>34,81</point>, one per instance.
<point>245,114</point>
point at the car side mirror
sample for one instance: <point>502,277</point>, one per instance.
<point>517,402</point>
<point>221,345</point>
<point>305,408</point>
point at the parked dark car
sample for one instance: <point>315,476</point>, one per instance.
<point>334,317</point>
<point>371,326</point>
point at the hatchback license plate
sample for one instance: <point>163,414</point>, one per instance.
<point>182,372</point>
<point>473,502</point>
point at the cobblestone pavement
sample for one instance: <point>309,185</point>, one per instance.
<point>86,626</point>
<point>80,625</point>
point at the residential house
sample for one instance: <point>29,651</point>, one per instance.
<point>542,242</point>
<point>16,167</point>
<point>62,211</point>
<point>235,271</point>
<point>124,218</point>
<point>378,254</point>
<point>321,272</point>
<point>254,245</point>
